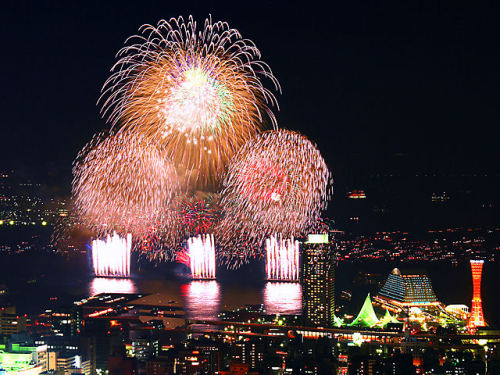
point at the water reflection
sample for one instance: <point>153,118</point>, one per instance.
<point>202,299</point>
<point>283,298</point>
<point>110,285</point>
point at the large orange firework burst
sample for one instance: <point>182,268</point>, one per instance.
<point>196,92</point>
<point>123,183</point>
<point>277,183</point>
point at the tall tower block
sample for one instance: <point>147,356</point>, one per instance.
<point>476,318</point>
<point>318,302</point>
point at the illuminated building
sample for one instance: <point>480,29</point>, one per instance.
<point>9,321</point>
<point>25,360</point>
<point>366,316</point>
<point>402,291</point>
<point>476,318</point>
<point>357,194</point>
<point>318,301</point>
<point>111,257</point>
<point>461,311</point>
<point>201,251</point>
<point>250,352</point>
<point>156,367</point>
<point>440,197</point>
<point>282,259</point>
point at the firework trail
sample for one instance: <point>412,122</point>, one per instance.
<point>123,183</point>
<point>277,183</point>
<point>282,259</point>
<point>196,215</point>
<point>187,104</point>
<point>196,221</point>
<point>111,256</point>
<point>201,250</point>
<point>196,92</point>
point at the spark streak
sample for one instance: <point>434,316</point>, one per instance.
<point>282,259</point>
<point>111,256</point>
<point>202,256</point>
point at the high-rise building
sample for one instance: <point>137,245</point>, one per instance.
<point>318,299</point>
<point>10,322</point>
<point>476,318</point>
<point>24,359</point>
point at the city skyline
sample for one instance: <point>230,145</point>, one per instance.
<point>250,189</point>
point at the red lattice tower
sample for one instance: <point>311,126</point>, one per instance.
<point>476,318</point>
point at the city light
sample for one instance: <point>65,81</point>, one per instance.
<point>201,251</point>
<point>111,256</point>
<point>317,238</point>
<point>476,316</point>
<point>282,259</point>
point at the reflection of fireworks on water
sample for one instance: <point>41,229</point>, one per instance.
<point>123,183</point>
<point>202,299</point>
<point>197,92</point>
<point>106,285</point>
<point>277,183</point>
<point>282,259</point>
<point>111,256</point>
<point>283,298</point>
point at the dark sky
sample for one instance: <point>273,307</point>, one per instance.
<point>379,84</point>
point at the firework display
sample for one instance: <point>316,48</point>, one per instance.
<point>277,183</point>
<point>186,157</point>
<point>122,183</point>
<point>195,215</point>
<point>197,92</point>
<point>282,259</point>
<point>111,256</point>
<point>201,251</point>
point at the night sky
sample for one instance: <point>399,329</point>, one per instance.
<point>375,84</point>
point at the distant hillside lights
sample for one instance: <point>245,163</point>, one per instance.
<point>12,222</point>
<point>440,197</point>
<point>357,194</point>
